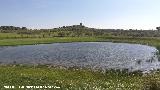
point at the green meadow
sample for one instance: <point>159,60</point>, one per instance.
<point>71,78</point>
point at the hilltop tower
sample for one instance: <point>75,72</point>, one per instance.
<point>81,24</point>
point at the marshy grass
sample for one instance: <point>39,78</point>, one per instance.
<point>72,79</point>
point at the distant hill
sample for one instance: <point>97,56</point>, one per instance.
<point>79,31</point>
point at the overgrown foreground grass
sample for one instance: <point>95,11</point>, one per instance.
<point>73,79</point>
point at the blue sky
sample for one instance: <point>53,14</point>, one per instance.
<point>125,14</point>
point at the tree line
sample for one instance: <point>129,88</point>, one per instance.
<point>78,31</point>
<point>12,28</point>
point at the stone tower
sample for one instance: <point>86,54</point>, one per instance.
<point>81,24</point>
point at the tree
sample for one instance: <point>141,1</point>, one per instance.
<point>24,28</point>
<point>158,28</point>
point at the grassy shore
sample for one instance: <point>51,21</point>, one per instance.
<point>32,41</point>
<point>75,79</point>
<point>72,78</point>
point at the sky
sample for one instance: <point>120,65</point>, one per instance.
<point>115,14</point>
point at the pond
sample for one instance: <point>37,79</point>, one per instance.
<point>94,55</point>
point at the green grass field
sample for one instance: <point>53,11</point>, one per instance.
<point>72,78</point>
<point>32,41</point>
<point>75,79</point>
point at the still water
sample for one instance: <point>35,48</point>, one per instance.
<point>94,55</point>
